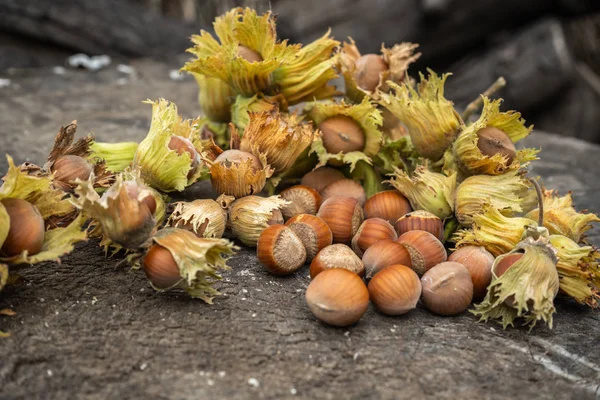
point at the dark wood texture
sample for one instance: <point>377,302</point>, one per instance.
<point>85,329</point>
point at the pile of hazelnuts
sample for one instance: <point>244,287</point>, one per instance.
<point>375,249</point>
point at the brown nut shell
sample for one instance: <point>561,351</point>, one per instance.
<point>337,297</point>
<point>312,231</point>
<point>506,262</point>
<point>395,290</point>
<point>342,134</point>
<point>369,68</point>
<point>492,140</point>
<point>479,262</point>
<point>319,178</point>
<point>425,250</point>
<point>343,215</point>
<point>336,256</point>
<point>371,231</point>
<point>389,205</point>
<point>345,188</point>
<point>26,230</point>
<point>160,267</point>
<point>280,250</point>
<point>248,54</point>
<point>67,169</point>
<point>182,145</point>
<point>383,254</point>
<point>303,200</point>
<point>447,288</point>
<point>423,221</point>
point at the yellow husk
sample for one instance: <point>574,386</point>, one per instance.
<point>470,157</point>
<point>280,137</point>
<point>561,218</point>
<point>161,167</point>
<point>249,215</point>
<point>427,190</point>
<point>215,98</point>
<point>117,156</point>
<point>239,179</point>
<point>199,259</point>
<point>500,191</point>
<point>259,102</point>
<point>430,118</point>
<point>199,212</point>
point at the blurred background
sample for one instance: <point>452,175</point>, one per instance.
<point>548,50</point>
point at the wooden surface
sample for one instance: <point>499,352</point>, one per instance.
<point>85,329</point>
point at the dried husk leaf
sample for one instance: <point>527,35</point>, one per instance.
<point>280,137</point>
<point>249,215</point>
<point>239,179</point>
<point>365,114</point>
<point>473,161</point>
<point>431,119</point>
<point>125,221</point>
<point>427,190</point>
<point>561,218</point>
<point>209,214</point>
<point>259,102</point>
<point>578,270</point>
<point>530,285</point>
<point>215,97</point>
<point>199,260</point>
<point>37,190</point>
<point>395,153</point>
<point>116,156</point>
<point>398,58</point>
<point>160,167</point>
<point>498,233</point>
<point>500,191</point>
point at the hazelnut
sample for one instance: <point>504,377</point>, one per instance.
<point>389,205</point>
<point>276,217</point>
<point>395,290</point>
<point>505,263</point>
<point>424,248</point>
<point>280,250</point>
<point>343,215</point>
<point>447,288</point>
<point>312,231</point>
<point>478,262</point>
<point>345,188</point>
<point>231,157</point>
<point>182,145</point>
<point>303,200</point>
<point>495,141</point>
<point>423,221</point>
<point>371,231</point>
<point>160,267</point>
<point>134,189</point>
<point>319,178</point>
<point>336,256</point>
<point>26,230</point>
<point>383,254</point>
<point>368,71</point>
<point>67,169</point>
<point>342,134</point>
<point>337,297</point>
<point>248,54</point>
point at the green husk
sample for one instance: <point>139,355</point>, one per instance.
<point>117,156</point>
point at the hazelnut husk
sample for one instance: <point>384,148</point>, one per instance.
<point>383,254</point>
<point>336,256</point>
<point>492,140</point>
<point>250,215</point>
<point>389,205</point>
<point>239,173</point>
<point>337,297</point>
<point>342,134</point>
<point>343,215</point>
<point>280,250</point>
<point>312,231</point>
<point>319,178</point>
<point>447,288</point>
<point>303,200</point>
<point>67,169</point>
<point>26,230</point>
<point>368,71</point>
<point>345,188</point>
<point>422,221</point>
<point>478,262</point>
<point>395,290</point>
<point>424,248</point>
<point>160,267</point>
<point>248,54</point>
<point>370,232</point>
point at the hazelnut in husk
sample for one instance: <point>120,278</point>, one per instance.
<point>338,297</point>
<point>447,288</point>
<point>239,173</point>
<point>206,217</point>
<point>25,228</point>
<point>68,168</point>
<point>250,215</point>
<point>180,259</point>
